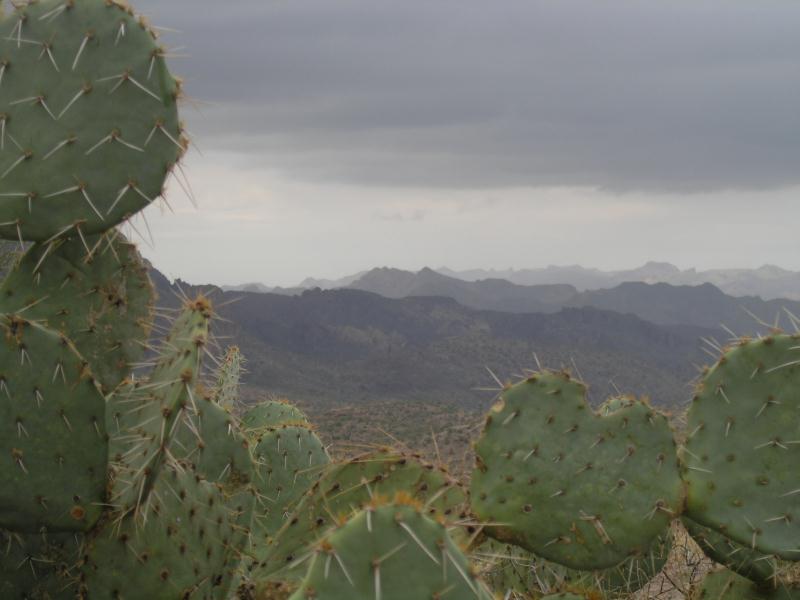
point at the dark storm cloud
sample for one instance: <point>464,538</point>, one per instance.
<point>688,95</point>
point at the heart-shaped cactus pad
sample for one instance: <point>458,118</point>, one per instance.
<point>579,488</point>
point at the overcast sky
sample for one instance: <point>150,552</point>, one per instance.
<point>339,135</point>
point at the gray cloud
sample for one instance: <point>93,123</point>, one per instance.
<point>686,95</point>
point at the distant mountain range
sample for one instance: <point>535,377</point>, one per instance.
<point>702,305</point>
<point>350,346</point>
<point>767,282</point>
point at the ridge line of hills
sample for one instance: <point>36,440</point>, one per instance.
<point>703,305</point>
<point>347,347</point>
<point>768,281</point>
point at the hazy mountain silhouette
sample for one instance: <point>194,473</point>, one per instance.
<point>352,346</point>
<point>768,282</point>
<point>703,305</point>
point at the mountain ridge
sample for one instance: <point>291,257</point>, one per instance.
<point>769,282</point>
<point>349,347</point>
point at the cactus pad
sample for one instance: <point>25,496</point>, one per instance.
<point>102,301</point>
<point>53,446</point>
<point>738,558</point>
<point>39,565</point>
<point>226,390</point>
<point>743,447</point>
<point>512,570</point>
<point>290,459</point>
<point>271,413</point>
<point>580,489</point>
<point>143,416</point>
<point>88,118</point>
<point>184,543</point>
<point>209,438</point>
<point>391,552</point>
<point>722,584</point>
<point>351,485</point>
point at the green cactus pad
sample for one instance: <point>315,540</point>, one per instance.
<point>743,447</point>
<point>580,489</point>
<point>53,443</point>
<point>510,569</point>
<point>88,118</point>
<point>736,557</point>
<point>348,486</point>
<point>226,390</point>
<point>143,416</point>
<point>271,413</point>
<point>391,552</point>
<point>290,459</point>
<point>184,542</point>
<point>102,301</point>
<point>39,565</point>
<point>209,438</point>
<point>722,584</point>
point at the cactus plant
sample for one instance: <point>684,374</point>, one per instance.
<point>580,489</point>
<point>271,413</point>
<point>350,485</point>
<point>290,459</point>
<point>391,552</point>
<point>743,447</point>
<point>722,584</point>
<point>738,558</point>
<point>102,299</point>
<point>208,438</point>
<point>143,416</point>
<point>185,540</point>
<point>89,129</point>
<point>512,570</point>
<point>103,493</point>
<point>53,446</point>
<point>39,565</point>
<point>226,388</point>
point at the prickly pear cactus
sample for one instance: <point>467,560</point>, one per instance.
<point>743,447</point>
<point>392,552</point>
<point>53,445</point>
<point>184,542</point>
<point>722,584</point>
<point>143,416</point>
<point>738,558</point>
<point>94,290</point>
<point>208,437</point>
<point>271,413</point>
<point>39,565</point>
<point>226,390</point>
<point>290,460</point>
<point>88,120</point>
<point>580,489</point>
<point>352,485</point>
<point>509,569</point>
